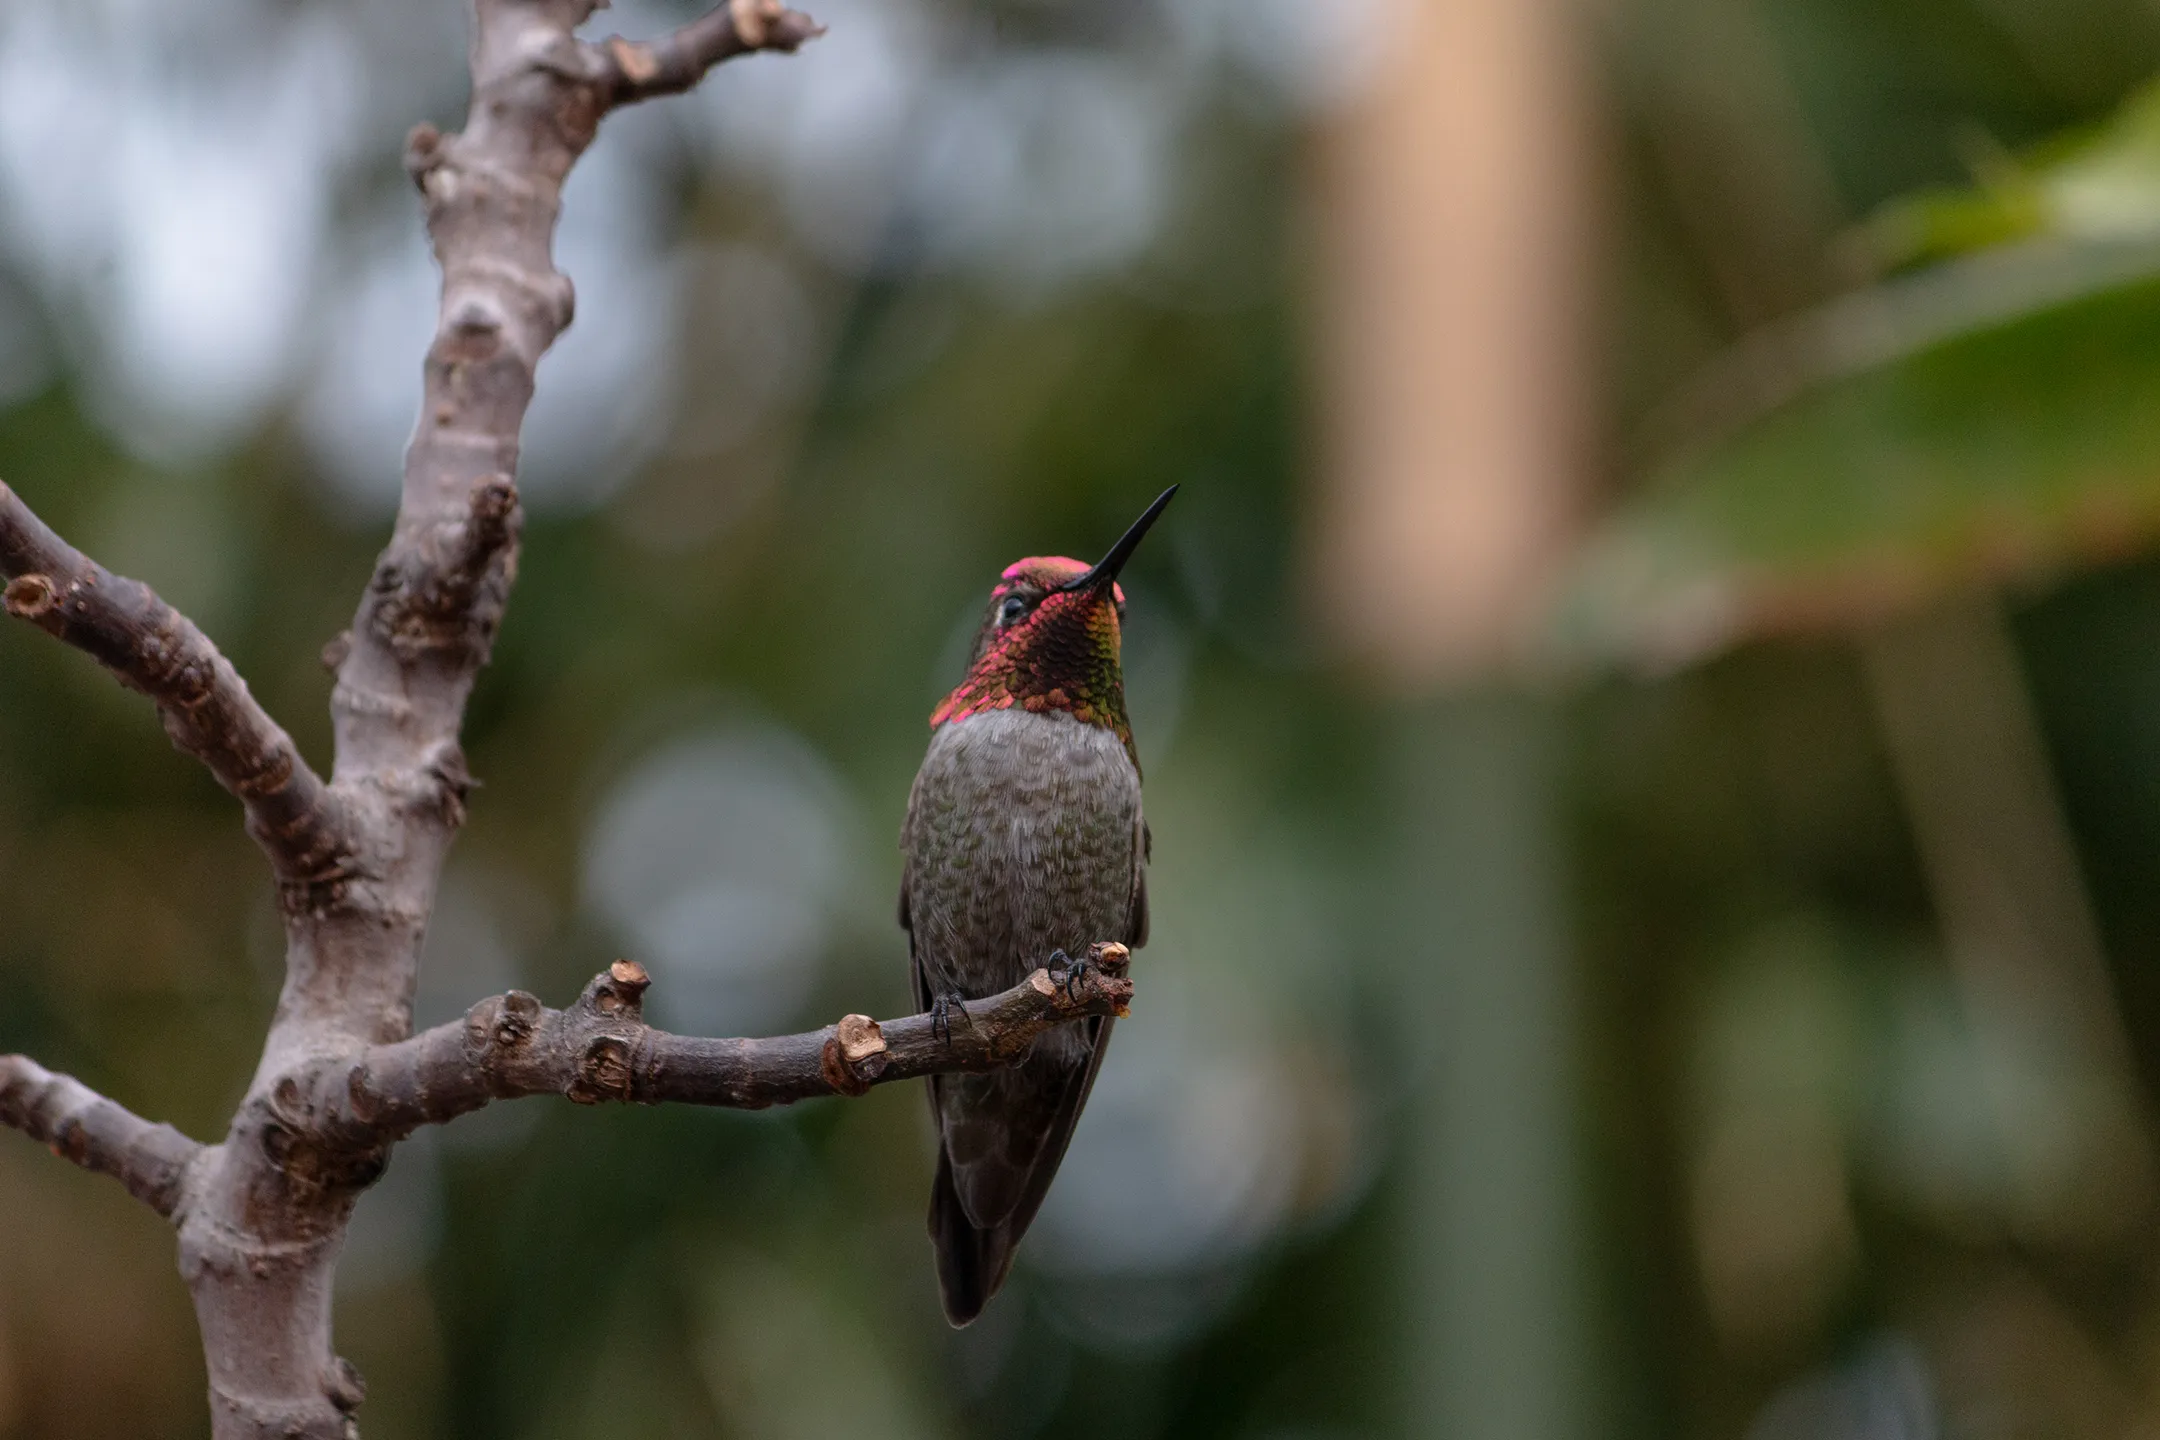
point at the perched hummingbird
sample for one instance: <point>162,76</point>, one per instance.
<point>1023,838</point>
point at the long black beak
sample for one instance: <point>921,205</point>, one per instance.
<point>1106,569</point>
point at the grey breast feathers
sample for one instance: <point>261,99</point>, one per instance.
<point>1024,836</point>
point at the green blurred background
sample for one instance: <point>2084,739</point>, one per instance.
<point>1650,697</point>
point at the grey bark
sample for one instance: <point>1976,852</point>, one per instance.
<point>262,1214</point>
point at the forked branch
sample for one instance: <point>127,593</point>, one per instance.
<point>600,1049</point>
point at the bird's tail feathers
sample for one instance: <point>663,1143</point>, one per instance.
<point>972,1262</point>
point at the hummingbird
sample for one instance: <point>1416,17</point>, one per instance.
<point>1024,838</point>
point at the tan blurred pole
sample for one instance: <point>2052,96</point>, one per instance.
<point>1455,313</point>
<point>1454,215</point>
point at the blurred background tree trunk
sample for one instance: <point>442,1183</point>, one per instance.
<point>1457,333</point>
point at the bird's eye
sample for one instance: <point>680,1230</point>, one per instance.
<point>1013,611</point>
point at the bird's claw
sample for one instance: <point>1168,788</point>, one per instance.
<point>1075,973</point>
<point>941,1010</point>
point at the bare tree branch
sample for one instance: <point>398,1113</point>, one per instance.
<point>669,66</point>
<point>206,707</point>
<point>85,1127</point>
<point>265,1215</point>
<point>510,1046</point>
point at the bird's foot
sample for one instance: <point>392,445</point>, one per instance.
<point>941,1013</point>
<point>1071,973</point>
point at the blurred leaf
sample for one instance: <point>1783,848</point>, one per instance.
<point>1990,418</point>
<point>1978,448</point>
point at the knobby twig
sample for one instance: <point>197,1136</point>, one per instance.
<point>510,1046</point>
<point>675,64</point>
<point>262,1214</point>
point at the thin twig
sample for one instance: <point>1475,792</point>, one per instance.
<point>94,1132</point>
<point>206,707</point>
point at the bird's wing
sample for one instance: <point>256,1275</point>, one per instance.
<point>1075,1099</point>
<point>1042,1097</point>
<point>1144,851</point>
